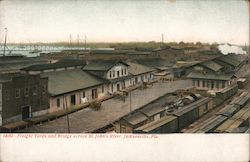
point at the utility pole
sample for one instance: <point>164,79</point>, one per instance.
<point>78,41</point>
<point>5,41</point>
<point>162,38</point>
<point>67,112</point>
<point>85,42</point>
<point>70,40</point>
<point>130,106</point>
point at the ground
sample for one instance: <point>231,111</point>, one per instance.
<point>88,120</point>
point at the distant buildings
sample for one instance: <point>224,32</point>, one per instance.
<point>215,74</point>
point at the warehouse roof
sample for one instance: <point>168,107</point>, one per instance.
<point>60,64</point>
<point>230,59</point>
<point>60,82</point>
<point>136,69</point>
<point>102,65</point>
<point>154,62</point>
<point>212,76</point>
<point>135,118</point>
<point>212,65</point>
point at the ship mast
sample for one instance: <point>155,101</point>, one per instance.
<point>5,41</point>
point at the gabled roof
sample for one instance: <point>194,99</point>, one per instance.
<point>212,65</point>
<point>60,64</point>
<point>137,69</point>
<point>61,82</point>
<point>213,76</point>
<point>230,59</point>
<point>102,65</point>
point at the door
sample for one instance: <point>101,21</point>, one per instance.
<point>118,87</point>
<point>94,93</point>
<point>25,112</point>
<point>73,99</point>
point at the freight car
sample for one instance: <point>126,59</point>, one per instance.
<point>226,93</point>
<point>167,124</point>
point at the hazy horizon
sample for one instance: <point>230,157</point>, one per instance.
<point>107,21</point>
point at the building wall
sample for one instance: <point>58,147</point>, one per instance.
<point>28,90</point>
<point>66,98</point>
<point>216,85</point>
<point>113,72</point>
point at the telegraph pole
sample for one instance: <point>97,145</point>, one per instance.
<point>67,113</point>
<point>130,106</point>
<point>162,38</point>
<point>5,41</point>
<point>85,41</point>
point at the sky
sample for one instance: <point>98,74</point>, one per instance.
<point>224,21</point>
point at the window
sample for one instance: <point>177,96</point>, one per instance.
<point>122,72</point>
<point>44,89</point>
<point>83,94</point>
<point>113,73</point>
<point>110,76</point>
<point>206,108</point>
<point>7,94</point>
<point>212,84</point>
<point>34,90</point>
<point>203,83</point>
<point>118,73</point>
<point>198,83</point>
<point>208,84</point>
<point>26,92</point>
<point>217,84</point>
<point>194,83</point>
<point>125,71</point>
<point>58,102</point>
<point>17,93</point>
<point>223,84</point>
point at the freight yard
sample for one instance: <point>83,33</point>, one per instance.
<point>81,93</point>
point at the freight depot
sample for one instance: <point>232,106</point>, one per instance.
<point>64,136</point>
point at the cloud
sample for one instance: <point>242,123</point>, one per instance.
<point>227,48</point>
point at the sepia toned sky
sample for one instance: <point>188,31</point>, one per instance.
<point>125,20</point>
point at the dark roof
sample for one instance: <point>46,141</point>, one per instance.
<point>230,59</point>
<point>8,77</point>
<point>211,65</point>
<point>60,82</point>
<point>136,69</point>
<point>135,118</point>
<point>154,62</point>
<point>213,76</point>
<point>191,106</point>
<point>156,124</point>
<point>60,64</point>
<point>150,111</point>
<point>102,65</point>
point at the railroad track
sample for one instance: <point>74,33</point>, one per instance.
<point>194,127</point>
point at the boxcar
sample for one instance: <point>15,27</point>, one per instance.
<point>167,124</point>
<point>186,115</point>
<point>227,93</point>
